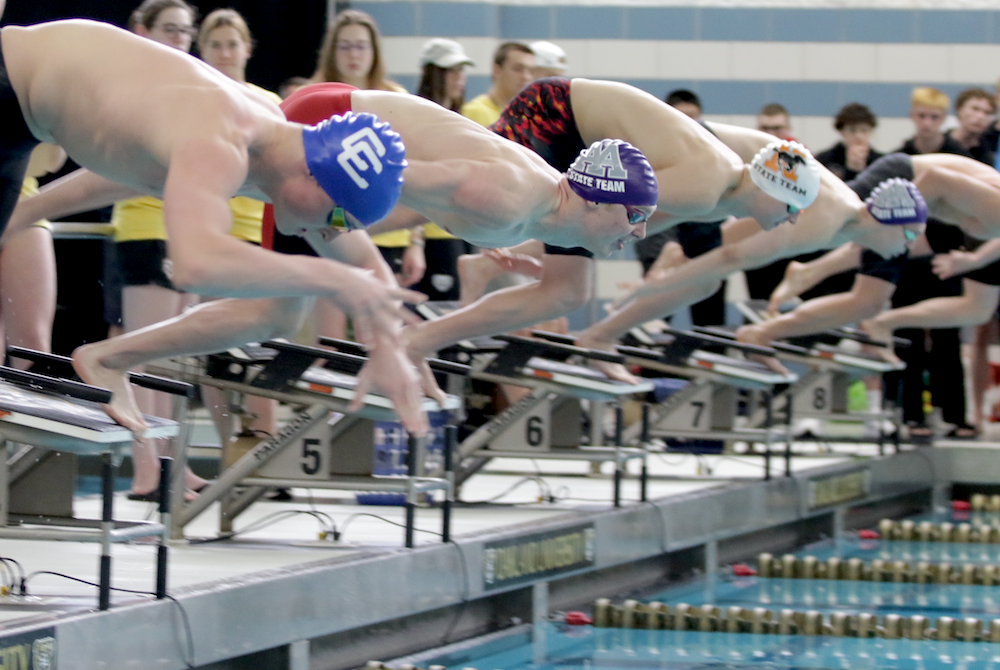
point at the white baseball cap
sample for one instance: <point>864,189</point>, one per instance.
<point>549,55</point>
<point>443,53</point>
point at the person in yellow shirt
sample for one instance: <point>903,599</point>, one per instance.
<point>148,294</point>
<point>513,69</point>
<point>351,53</point>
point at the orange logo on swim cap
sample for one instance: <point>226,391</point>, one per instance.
<point>786,158</point>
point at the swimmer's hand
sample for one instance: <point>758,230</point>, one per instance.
<point>374,305</point>
<point>418,358</point>
<point>390,373</point>
<point>954,263</point>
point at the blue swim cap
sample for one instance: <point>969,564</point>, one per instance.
<point>358,161</point>
<point>614,171</point>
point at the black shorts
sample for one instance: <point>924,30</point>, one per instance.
<point>986,275</point>
<point>16,144</point>
<point>145,263</point>
<point>941,237</point>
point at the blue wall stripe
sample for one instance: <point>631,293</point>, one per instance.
<point>661,23</point>
<point>955,27</point>
<point>526,23</point>
<point>393,18</point>
<point>460,18</point>
<point>736,23</point>
<point>474,19</point>
<point>589,23</point>
<point>808,25</point>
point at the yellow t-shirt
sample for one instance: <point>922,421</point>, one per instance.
<point>482,110</point>
<point>142,218</point>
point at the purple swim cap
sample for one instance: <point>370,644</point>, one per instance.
<point>359,161</point>
<point>616,172</point>
<point>896,202</point>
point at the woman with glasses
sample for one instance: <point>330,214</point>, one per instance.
<point>225,43</point>
<point>351,53</point>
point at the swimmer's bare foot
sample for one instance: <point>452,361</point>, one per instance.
<point>123,409</point>
<point>880,333</point>
<point>670,256</point>
<point>475,272</point>
<point>792,286</point>
<point>758,335</point>
<point>615,371</point>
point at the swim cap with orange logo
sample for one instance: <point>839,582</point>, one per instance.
<point>787,172</point>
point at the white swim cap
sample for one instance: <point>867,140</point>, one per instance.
<point>549,55</point>
<point>787,172</point>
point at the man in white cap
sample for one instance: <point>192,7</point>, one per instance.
<point>550,60</point>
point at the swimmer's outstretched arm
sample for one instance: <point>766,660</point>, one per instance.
<point>78,191</point>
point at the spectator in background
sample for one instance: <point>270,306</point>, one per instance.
<point>775,120</point>
<point>550,60</point>
<point>855,123</point>
<point>685,101</point>
<point>943,361</point>
<point>290,85</point>
<point>928,110</point>
<point>513,69</point>
<point>443,82</point>
<point>443,76</point>
<point>975,109</point>
<point>352,53</point>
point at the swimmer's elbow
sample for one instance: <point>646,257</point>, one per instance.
<point>190,276</point>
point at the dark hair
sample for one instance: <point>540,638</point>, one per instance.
<point>326,62</point>
<point>150,10</point>
<point>500,55</point>
<point>682,95</point>
<point>297,82</point>
<point>773,109</point>
<point>854,114</point>
<point>975,94</point>
<point>432,87</point>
